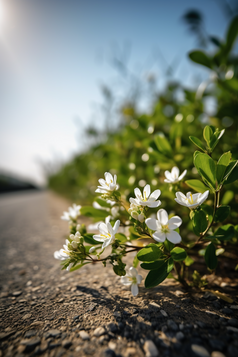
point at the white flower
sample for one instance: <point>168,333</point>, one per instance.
<point>107,185</point>
<point>132,278</point>
<point>63,254</point>
<point>136,212</point>
<point>75,239</point>
<point>191,201</point>
<point>146,199</point>
<point>107,233</point>
<point>72,213</point>
<point>164,227</point>
<point>173,176</point>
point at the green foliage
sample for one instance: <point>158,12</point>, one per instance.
<point>210,256</point>
<point>178,254</point>
<point>156,276</point>
<point>199,222</point>
<point>150,253</point>
<point>196,185</point>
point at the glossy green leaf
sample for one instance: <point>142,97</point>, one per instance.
<point>121,237</point>
<point>222,164</point>
<point>153,265</point>
<point>170,264</point>
<point>196,185</point>
<point>222,213</point>
<point>168,245</point>
<point>188,261</point>
<point>232,33</point>
<point>197,142</point>
<point>231,173</point>
<point>227,197</point>
<point>206,168</point>
<point>102,202</point>
<point>207,134</point>
<point>208,210</point>
<point>201,58</point>
<point>216,137</point>
<point>163,144</point>
<point>199,222</point>
<point>178,254</point>
<point>149,253</point>
<point>225,232</point>
<point>76,267</point>
<point>155,277</point>
<point>88,238</point>
<point>210,256</point>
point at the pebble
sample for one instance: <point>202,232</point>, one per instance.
<point>155,305</point>
<point>217,354</point>
<point>117,314</point>
<point>130,351</point>
<point>200,351</point>
<point>17,293</point>
<point>109,353</point>
<point>112,345</point>
<point>26,317</point>
<point>233,322</point>
<point>66,343</point>
<point>234,307</point>
<point>150,349</point>
<point>54,333</point>
<point>31,344</point>
<point>217,344</point>
<point>84,335</point>
<point>30,333</point>
<point>112,327</point>
<point>164,313</point>
<point>172,325</point>
<point>227,311</point>
<point>233,329</point>
<point>99,331</point>
<point>180,336</point>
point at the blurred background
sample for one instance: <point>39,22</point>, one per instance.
<point>88,86</point>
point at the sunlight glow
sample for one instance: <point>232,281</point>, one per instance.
<point>1,14</point>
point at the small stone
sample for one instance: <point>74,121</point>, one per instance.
<point>91,307</point>
<point>31,344</point>
<point>232,322</point>
<point>54,332</point>
<point>227,311</point>
<point>217,354</point>
<point>99,331</point>
<point>21,348</point>
<point>211,313</point>
<point>150,349</point>
<point>180,336</point>
<point>164,313</point>
<point>232,329</point>
<point>155,305</point>
<point>112,345</point>
<point>217,344</point>
<point>84,335</point>
<point>234,307</point>
<point>117,314</point>
<point>109,353</point>
<point>187,300</point>
<point>130,351</point>
<point>201,324</point>
<point>30,333</point>
<point>76,317</point>
<point>112,327</point>
<point>78,348</point>
<point>17,293</point>
<point>172,325</point>
<point>43,347</point>
<point>66,343</point>
<point>26,317</point>
<point>200,351</point>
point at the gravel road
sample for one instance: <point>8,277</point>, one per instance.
<point>48,312</point>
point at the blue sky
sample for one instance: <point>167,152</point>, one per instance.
<point>55,54</point>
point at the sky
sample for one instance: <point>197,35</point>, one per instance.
<point>56,54</point>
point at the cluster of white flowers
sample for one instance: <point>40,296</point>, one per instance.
<point>163,228</point>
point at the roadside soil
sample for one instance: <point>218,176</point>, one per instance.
<point>48,312</point>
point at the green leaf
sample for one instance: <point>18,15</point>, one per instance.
<point>178,254</point>
<point>232,33</point>
<point>188,261</point>
<point>121,237</point>
<point>210,256</point>
<point>206,168</point>
<point>231,173</point>
<point>168,245</point>
<point>153,265</point>
<point>163,144</point>
<point>155,277</point>
<point>222,164</point>
<point>170,264</point>
<point>135,262</point>
<point>208,210</point>
<point>197,142</point>
<point>89,211</point>
<point>102,202</point>
<point>216,137</point>
<point>208,134</point>
<point>76,267</point>
<point>225,232</point>
<point>222,213</point>
<point>227,197</point>
<point>196,185</point>
<point>150,253</point>
<point>200,58</point>
<point>199,222</point>
<point>88,238</point>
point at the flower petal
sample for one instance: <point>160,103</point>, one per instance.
<point>116,226</point>
<point>137,193</point>
<point>182,203</point>
<point>159,236</point>
<point>134,289</point>
<point>108,177</point>
<point>168,176</point>
<point>151,223</point>
<point>162,216</point>
<point>110,229</point>
<point>98,238</point>
<point>146,191</point>
<point>174,237</point>
<point>153,204</point>
<point>155,194</point>
<point>125,280</point>
<point>175,222</point>
<point>102,227</point>
<point>133,272</point>
<point>203,197</point>
<point>139,279</point>
<point>106,243</point>
<point>182,175</point>
<point>175,172</point>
